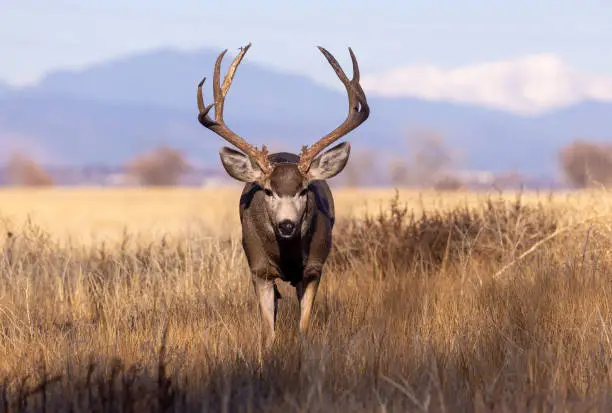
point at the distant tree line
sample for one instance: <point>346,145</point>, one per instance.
<point>428,162</point>
<point>163,166</point>
<point>425,161</point>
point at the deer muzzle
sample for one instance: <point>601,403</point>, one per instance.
<point>286,228</point>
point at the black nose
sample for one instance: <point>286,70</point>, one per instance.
<point>286,228</point>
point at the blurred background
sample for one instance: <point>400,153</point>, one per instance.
<point>469,94</point>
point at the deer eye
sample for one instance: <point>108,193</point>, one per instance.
<point>267,192</point>
<point>303,192</point>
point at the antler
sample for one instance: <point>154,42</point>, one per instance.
<point>218,125</point>
<point>358,111</point>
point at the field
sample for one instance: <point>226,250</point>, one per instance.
<point>140,300</point>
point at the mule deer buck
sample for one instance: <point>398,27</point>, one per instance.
<point>286,207</point>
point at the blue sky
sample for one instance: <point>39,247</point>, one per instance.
<point>37,36</point>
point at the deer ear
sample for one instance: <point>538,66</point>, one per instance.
<point>330,163</point>
<point>239,166</point>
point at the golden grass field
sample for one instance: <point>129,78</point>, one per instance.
<point>140,300</point>
<point>94,214</point>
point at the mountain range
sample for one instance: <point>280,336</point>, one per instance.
<point>109,112</point>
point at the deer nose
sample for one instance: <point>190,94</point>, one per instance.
<point>286,228</point>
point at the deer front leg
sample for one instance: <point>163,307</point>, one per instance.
<point>306,291</point>
<point>267,296</point>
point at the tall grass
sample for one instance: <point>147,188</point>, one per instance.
<point>413,314</point>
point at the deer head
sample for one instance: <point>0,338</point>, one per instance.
<point>285,185</point>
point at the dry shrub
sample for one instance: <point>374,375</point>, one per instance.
<point>24,171</point>
<point>497,232</point>
<point>428,160</point>
<point>587,163</point>
<point>448,183</point>
<point>161,167</point>
<point>359,169</point>
<point>399,175</point>
<point>173,325</point>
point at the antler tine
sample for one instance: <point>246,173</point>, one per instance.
<point>218,125</point>
<point>218,96</point>
<point>357,114</point>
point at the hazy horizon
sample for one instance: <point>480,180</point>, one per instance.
<point>522,57</point>
<point>507,85</point>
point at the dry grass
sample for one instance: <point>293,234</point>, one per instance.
<point>94,215</point>
<point>410,316</point>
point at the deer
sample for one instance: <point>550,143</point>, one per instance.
<point>286,206</point>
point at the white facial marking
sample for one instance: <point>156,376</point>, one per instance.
<point>287,208</point>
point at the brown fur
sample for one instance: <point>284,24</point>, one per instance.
<point>268,255</point>
<point>286,179</point>
<point>298,260</point>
